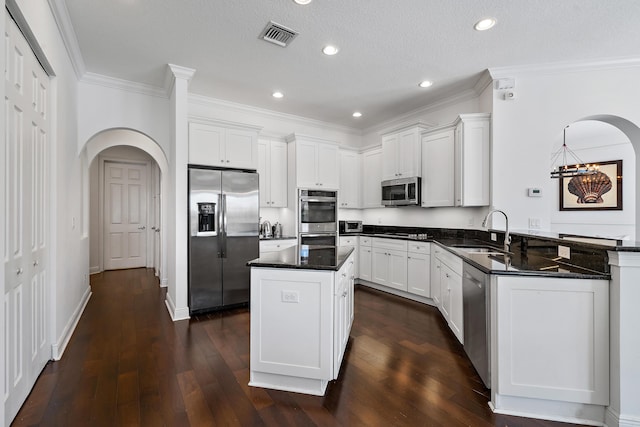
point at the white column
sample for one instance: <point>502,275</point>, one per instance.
<point>624,300</point>
<point>176,298</point>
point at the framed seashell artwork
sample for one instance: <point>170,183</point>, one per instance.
<point>599,191</point>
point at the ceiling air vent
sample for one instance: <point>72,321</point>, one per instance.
<point>278,34</point>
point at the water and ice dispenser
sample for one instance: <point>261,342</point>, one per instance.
<point>206,217</point>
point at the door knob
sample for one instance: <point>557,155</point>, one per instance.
<point>142,228</point>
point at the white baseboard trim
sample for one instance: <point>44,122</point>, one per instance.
<point>614,419</point>
<point>60,346</point>
<point>94,270</point>
<point>176,314</point>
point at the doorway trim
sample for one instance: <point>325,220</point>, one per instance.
<point>131,137</point>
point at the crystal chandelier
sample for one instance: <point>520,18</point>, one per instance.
<point>570,165</point>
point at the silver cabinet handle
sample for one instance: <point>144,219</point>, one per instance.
<point>19,271</point>
<point>157,230</point>
<point>153,228</point>
<point>35,263</point>
<point>142,228</point>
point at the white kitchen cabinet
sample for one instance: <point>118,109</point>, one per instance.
<point>272,169</point>
<point>551,341</point>
<point>317,164</point>
<point>225,145</point>
<point>349,194</point>
<point>456,162</point>
<point>343,315</point>
<point>276,245</point>
<point>438,153</point>
<point>364,258</point>
<point>472,147</point>
<point>418,269</point>
<point>401,152</point>
<point>352,241</point>
<point>449,282</point>
<point>371,178</point>
<point>436,268</point>
<point>389,263</point>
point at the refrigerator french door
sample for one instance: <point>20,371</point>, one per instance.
<point>223,236</point>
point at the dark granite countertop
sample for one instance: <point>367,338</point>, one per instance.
<point>305,257</point>
<point>523,260</point>
<point>263,239</point>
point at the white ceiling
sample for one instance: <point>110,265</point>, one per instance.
<point>386,47</point>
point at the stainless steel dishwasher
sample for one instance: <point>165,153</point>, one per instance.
<point>475,302</point>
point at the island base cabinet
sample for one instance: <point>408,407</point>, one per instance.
<point>551,341</point>
<point>300,325</point>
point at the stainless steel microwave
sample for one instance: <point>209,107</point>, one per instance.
<point>401,192</point>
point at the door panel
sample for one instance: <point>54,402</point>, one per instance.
<point>125,215</point>
<point>26,207</point>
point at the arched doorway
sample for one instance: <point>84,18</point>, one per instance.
<point>626,130</point>
<point>132,141</point>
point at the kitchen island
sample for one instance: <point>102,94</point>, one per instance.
<point>301,316</point>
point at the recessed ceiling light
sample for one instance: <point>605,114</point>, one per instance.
<point>277,95</point>
<point>425,83</point>
<point>357,114</point>
<point>485,24</point>
<point>329,50</point>
<point>302,1</point>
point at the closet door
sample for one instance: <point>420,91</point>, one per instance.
<point>26,226</point>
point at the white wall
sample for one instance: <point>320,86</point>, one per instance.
<point>104,107</point>
<point>70,243</point>
<point>526,130</point>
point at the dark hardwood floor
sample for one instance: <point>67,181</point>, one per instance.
<point>129,364</point>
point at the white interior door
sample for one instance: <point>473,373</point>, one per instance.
<point>26,247</point>
<point>125,215</point>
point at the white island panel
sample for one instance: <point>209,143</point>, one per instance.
<point>551,339</point>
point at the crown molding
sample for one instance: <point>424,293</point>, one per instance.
<point>224,123</point>
<point>409,117</point>
<point>68,34</point>
<point>214,102</point>
<point>124,85</point>
<point>297,136</point>
<point>564,67</point>
<point>484,81</point>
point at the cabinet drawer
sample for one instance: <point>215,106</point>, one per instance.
<point>276,245</point>
<point>419,248</point>
<point>348,241</point>
<point>393,244</point>
<point>365,241</point>
<point>452,261</point>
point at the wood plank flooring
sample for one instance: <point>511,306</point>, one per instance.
<point>129,364</point>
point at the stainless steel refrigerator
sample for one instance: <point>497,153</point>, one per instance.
<point>223,236</point>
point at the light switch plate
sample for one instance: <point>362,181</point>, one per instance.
<point>564,252</point>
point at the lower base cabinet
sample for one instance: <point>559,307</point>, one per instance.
<point>418,269</point>
<point>446,289</point>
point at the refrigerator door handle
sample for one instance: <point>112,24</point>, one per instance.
<point>223,228</point>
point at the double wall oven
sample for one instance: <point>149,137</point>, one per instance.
<point>317,217</point>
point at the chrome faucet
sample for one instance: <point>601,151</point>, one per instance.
<point>507,237</point>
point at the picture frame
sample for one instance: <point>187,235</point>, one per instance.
<point>600,192</point>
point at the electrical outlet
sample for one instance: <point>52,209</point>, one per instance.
<point>564,252</point>
<point>471,222</point>
<point>494,236</point>
<point>534,223</point>
<point>290,296</point>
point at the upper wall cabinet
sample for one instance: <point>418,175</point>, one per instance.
<point>316,163</point>
<point>455,163</point>
<point>473,139</point>
<point>223,144</point>
<point>401,152</point>
<point>438,149</point>
<point>272,169</point>
<point>371,178</point>
<point>349,194</point>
